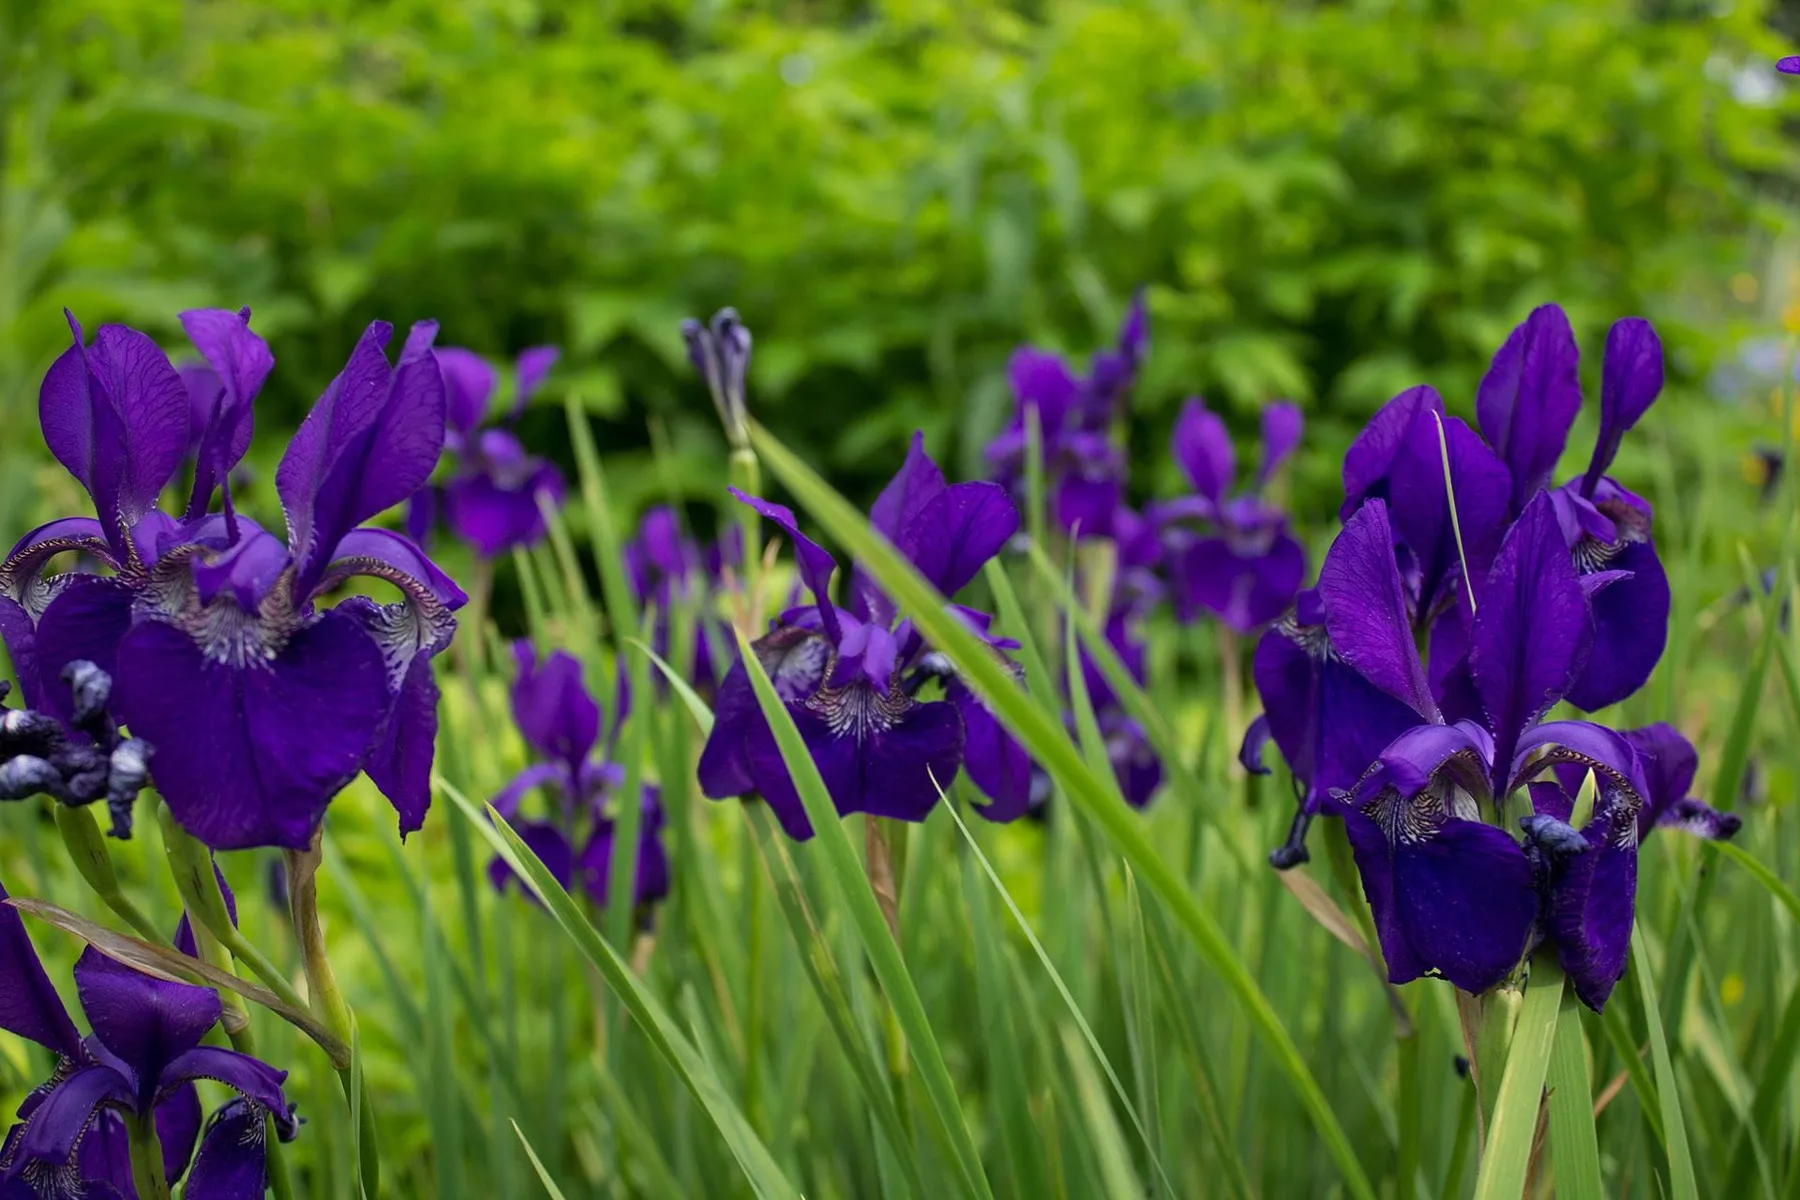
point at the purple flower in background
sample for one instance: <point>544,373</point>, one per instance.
<point>668,568</point>
<point>262,705</point>
<point>491,498</point>
<point>562,724</point>
<point>1525,406</point>
<point>1790,65</point>
<point>849,676</point>
<point>142,1060</point>
<point>720,351</point>
<point>1084,470</point>
<point>1231,555</point>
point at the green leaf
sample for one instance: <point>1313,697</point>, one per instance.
<point>1682,1185</point>
<point>753,1157</point>
<point>537,1165</point>
<point>1052,749</point>
<point>1507,1156</point>
<point>877,940</point>
<point>1573,1141</point>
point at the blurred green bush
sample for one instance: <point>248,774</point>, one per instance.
<point>1330,201</point>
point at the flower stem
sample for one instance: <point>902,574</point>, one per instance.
<point>87,848</point>
<point>328,1002</point>
<point>744,471</point>
<point>147,1159</point>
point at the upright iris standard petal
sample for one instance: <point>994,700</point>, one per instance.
<point>1420,505</point>
<point>1370,460</point>
<point>1202,447</point>
<point>250,754</point>
<point>1529,397</point>
<point>116,415</point>
<point>145,1023</point>
<point>1043,381</point>
<point>552,706</point>
<point>1365,609</point>
<point>469,382</point>
<point>369,443</point>
<point>1282,424</point>
<point>957,531</point>
<point>816,565</point>
<point>533,367</point>
<point>241,362</point>
<point>1630,381</point>
<point>1532,631</point>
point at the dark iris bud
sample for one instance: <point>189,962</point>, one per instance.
<point>1293,852</point>
<point>720,351</point>
<point>1556,839</point>
<point>40,756</point>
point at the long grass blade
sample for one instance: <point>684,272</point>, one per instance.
<point>1573,1141</point>
<point>1507,1156</point>
<point>1682,1185</point>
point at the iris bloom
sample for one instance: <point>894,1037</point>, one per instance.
<point>1231,555</point>
<point>849,676</point>
<point>78,762</point>
<point>1525,406</point>
<point>491,499</point>
<point>561,723</point>
<point>1084,467</point>
<point>141,1062</point>
<point>1453,891</point>
<point>262,704</point>
<point>668,568</point>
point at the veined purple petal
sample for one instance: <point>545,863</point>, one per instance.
<point>1631,378</point>
<point>1202,446</point>
<point>146,1023</point>
<point>1631,626</point>
<point>19,575</point>
<point>249,568</point>
<point>995,760</point>
<point>529,372</point>
<point>1591,896</point>
<point>249,1077</point>
<point>957,531</point>
<point>816,566</point>
<point>555,712</point>
<point>241,361</point>
<point>399,761</point>
<point>1419,504</point>
<point>1282,425</point>
<point>1370,458</point>
<point>29,1005</point>
<point>369,443</point>
<point>252,756</point>
<point>1365,609</point>
<point>384,554</point>
<point>87,620</point>
<point>62,1121</point>
<point>469,381</point>
<point>233,1163</point>
<point>916,484</point>
<point>116,415</point>
<point>1529,397</point>
<point>1532,628</point>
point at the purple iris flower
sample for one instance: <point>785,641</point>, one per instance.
<point>1453,892</point>
<point>562,724</point>
<point>491,498</point>
<point>667,567</point>
<point>1525,407</point>
<point>1084,468</point>
<point>1790,65</point>
<point>141,1061</point>
<point>1231,555</point>
<point>849,676</point>
<point>262,705</point>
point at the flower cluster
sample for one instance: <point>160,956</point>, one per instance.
<point>491,500</point>
<point>851,676</point>
<point>140,1065</point>
<point>77,762</point>
<point>562,724</point>
<point>261,703</point>
<point>1084,468</point>
<point>1526,594</point>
